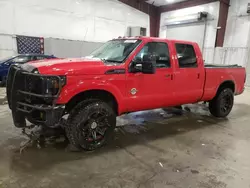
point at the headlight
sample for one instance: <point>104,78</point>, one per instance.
<point>63,80</point>
<point>35,71</point>
<point>54,84</point>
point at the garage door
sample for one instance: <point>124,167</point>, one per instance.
<point>191,32</point>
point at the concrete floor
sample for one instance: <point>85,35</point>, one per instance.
<point>151,149</point>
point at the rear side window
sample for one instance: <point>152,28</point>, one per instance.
<point>186,56</point>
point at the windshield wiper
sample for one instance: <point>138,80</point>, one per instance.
<point>104,60</point>
<point>110,61</point>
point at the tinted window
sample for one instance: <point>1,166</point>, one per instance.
<point>157,49</point>
<point>186,55</point>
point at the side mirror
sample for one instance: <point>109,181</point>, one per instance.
<point>146,66</point>
<point>149,64</point>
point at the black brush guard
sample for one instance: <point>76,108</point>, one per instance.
<point>29,99</point>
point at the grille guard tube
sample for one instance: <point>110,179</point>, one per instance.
<point>18,95</point>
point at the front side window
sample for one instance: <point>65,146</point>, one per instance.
<point>115,50</point>
<point>160,52</point>
<point>186,56</point>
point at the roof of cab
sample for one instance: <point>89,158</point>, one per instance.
<point>156,38</point>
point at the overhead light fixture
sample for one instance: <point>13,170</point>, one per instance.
<point>170,1</point>
<point>191,18</point>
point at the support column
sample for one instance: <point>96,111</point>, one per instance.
<point>223,13</point>
<point>155,17</point>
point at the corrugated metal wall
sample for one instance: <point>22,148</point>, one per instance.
<point>58,47</point>
<point>7,45</point>
<point>229,56</point>
<point>69,48</point>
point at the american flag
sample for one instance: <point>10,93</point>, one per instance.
<point>27,45</point>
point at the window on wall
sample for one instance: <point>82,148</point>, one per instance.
<point>186,55</point>
<point>160,52</point>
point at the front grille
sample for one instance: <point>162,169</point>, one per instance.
<point>30,88</point>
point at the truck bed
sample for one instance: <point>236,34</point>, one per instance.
<point>217,74</point>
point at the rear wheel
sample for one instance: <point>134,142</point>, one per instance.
<point>222,104</point>
<point>90,125</point>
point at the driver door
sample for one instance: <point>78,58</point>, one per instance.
<point>150,91</point>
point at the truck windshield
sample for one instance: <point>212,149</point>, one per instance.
<point>115,50</point>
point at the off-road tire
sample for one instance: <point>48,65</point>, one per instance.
<point>217,106</point>
<point>79,115</point>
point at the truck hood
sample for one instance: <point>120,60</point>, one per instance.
<point>78,66</point>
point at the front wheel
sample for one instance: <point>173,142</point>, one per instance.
<point>90,125</point>
<point>222,104</point>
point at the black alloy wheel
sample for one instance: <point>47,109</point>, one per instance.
<point>94,130</point>
<point>226,102</point>
<point>223,103</point>
<point>90,125</point>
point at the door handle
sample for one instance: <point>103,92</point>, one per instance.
<point>169,75</point>
<point>198,76</point>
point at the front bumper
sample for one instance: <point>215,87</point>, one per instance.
<point>28,98</point>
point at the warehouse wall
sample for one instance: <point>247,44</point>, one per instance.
<point>81,20</point>
<point>195,31</point>
<point>237,37</point>
<point>7,45</point>
<point>211,8</point>
<point>238,25</point>
<point>68,48</point>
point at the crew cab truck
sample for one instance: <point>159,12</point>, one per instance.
<point>124,75</point>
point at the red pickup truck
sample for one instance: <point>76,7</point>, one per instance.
<point>124,75</point>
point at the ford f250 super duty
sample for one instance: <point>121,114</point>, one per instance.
<point>124,75</point>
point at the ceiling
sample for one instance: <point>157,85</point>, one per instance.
<point>163,2</point>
